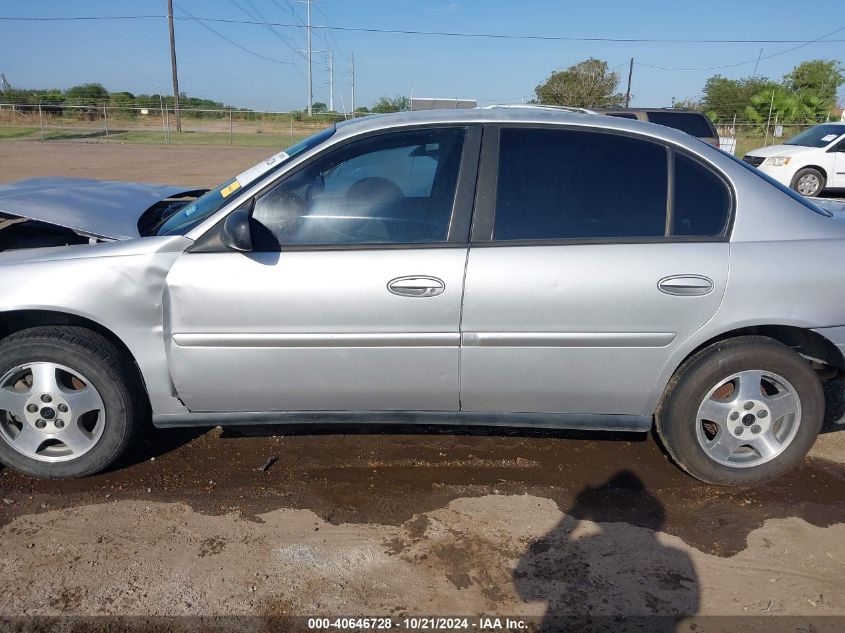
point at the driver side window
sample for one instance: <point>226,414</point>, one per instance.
<point>395,188</point>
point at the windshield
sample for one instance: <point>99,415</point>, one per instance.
<point>817,136</point>
<point>203,207</point>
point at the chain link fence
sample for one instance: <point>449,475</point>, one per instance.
<point>113,124</point>
<point>740,137</point>
<point>246,128</point>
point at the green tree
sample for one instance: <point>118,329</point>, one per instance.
<point>122,99</point>
<point>391,104</point>
<point>587,84</point>
<point>86,94</point>
<point>688,104</point>
<point>724,98</point>
<point>319,106</point>
<point>819,77</point>
<point>786,107</point>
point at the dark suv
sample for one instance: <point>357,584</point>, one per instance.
<point>689,121</point>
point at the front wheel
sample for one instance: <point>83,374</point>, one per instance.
<point>69,402</point>
<point>808,182</point>
<point>741,411</point>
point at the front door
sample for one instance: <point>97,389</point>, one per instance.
<point>351,297</point>
<point>578,294</point>
<point>838,177</point>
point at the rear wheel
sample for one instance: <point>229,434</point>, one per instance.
<point>808,182</point>
<point>69,402</point>
<point>742,411</point>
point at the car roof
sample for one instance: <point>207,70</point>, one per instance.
<point>677,110</point>
<point>516,115</point>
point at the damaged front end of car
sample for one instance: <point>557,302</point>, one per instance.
<point>53,212</point>
<point>22,233</point>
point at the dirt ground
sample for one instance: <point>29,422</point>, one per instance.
<point>165,164</point>
<point>410,521</point>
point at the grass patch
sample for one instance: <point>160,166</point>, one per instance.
<point>253,138</point>
<point>745,144</point>
<point>240,139</point>
<point>12,132</point>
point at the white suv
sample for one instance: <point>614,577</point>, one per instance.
<point>808,163</point>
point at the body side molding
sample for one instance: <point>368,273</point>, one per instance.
<point>567,421</point>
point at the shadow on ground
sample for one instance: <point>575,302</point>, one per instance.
<point>583,576</point>
<point>388,474</point>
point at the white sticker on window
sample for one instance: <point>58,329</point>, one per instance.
<point>255,172</point>
<point>829,138</point>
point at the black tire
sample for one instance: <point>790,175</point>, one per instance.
<point>676,417</point>
<point>808,171</point>
<point>109,370</point>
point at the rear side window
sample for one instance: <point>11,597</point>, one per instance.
<point>702,200</point>
<point>564,184</point>
<point>622,115</point>
<point>690,122</point>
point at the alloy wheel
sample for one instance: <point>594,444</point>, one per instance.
<point>808,185</point>
<point>50,412</point>
<point>748,419</point>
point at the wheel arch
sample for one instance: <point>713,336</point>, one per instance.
<point>13,321</point>
<point>818,168</point>
<point>805,341</point>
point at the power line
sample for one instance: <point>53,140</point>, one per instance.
<point>330,32</point>
<point>755,60</point>
<point>257,15</point>
<point>263,21</point>
<point>624,40</point>
<point>290,9</point>
<point>81,17</point>
<point>199,21</point>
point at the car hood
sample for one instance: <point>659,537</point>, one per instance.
<point>781,150</point>
<point>833,205</point>
<point>98,208</point>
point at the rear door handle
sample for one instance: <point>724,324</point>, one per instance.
<point>416,286</point>
<point>686,285</point>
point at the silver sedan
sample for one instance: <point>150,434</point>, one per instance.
<point>498,266</point>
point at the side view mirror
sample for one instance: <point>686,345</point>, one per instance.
<point>236,234</point>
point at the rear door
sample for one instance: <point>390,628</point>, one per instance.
<point>576,291</point>
<point>351,297</point>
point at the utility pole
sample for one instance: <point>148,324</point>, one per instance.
<point>173,66</point>
<point>331,82</point>
<point>353,85</point>
<point>308,35</point>
<point>628,91</point>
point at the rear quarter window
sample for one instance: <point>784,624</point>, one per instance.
<point>692,123</point>
<point>702,202</point>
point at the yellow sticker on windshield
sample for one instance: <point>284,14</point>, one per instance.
<point>227,191</point>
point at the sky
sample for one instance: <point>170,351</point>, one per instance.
<point>134,55</point>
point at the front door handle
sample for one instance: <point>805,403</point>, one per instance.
<point>416,286</point>
<point>686,285</point>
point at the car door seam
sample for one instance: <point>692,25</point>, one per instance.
<point>461,329</point>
